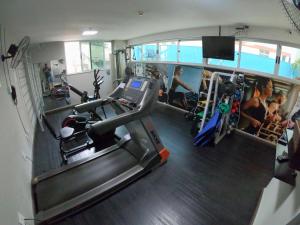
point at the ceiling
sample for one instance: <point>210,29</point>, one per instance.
<point>63,20</point>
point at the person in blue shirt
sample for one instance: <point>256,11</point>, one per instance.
<point>48,75</point>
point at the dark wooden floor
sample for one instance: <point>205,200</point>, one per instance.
<point>209,186</point>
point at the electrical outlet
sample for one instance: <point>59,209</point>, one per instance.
<point>21,219</point>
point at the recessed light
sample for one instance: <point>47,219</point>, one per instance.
<point>89,32</point>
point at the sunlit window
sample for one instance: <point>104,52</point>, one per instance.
<point>150,52</point>
<point>248,56</point>
<point>258,56</point>
<point>190,51</point>
<point>289,62</point>
<point>168,51</point>
<point>84,56</point>
<point>136,54</point>
<point>73,59</point>
<point>107,51</point>
<point>97,54</point>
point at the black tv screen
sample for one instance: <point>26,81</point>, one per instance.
<point>218,47</point>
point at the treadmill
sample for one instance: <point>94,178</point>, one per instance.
<point>67,190</point>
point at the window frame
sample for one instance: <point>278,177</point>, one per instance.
<point>80,52</point>
<point>81,56</point>
<point>158,51</point>
<point>271,75</point>
<point>178,52</point>
<point>205,64</point>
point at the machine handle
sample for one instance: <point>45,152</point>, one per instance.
<point>141,110</point>
<point>88,106</point>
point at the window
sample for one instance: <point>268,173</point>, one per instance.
<point>73,59</point>
<point>150,52</point>
<point>289,62</point>
<point>228,63</point>
<point>252,59</point>
<point>264,52</point>
<point>84,56</point>
<point>190,51</point>
<point>249,55</point>
<point>107,51</point>
<point>137,53</point>
<point>168,51</point>
<point>97,54</point>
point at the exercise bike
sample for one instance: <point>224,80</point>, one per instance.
<point>72,136</point>
<point>61,91</point>
<point>79,121</point>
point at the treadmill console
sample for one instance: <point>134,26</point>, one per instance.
<point>135,90</point>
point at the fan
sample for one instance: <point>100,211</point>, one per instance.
<point>292,9</point>
<point>16,52</point>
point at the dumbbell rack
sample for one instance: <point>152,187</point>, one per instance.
<point>224,128</point>
<point>211,103</point>
<point>212,91</point>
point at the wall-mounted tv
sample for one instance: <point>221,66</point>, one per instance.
<point>218,47</point>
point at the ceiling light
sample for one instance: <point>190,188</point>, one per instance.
<point>89,32</point>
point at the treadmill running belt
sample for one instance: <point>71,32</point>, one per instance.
<point>79,180</point>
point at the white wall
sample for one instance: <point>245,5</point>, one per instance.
<point>253,32</point>
<point>84,82</point>
<point>45,52</point>
<point>16,155</point>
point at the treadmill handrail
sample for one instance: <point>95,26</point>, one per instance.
<point>75,90</point>
<point>88,106</point>
<point>141,110</point>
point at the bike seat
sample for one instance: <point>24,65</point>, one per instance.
<point>66,132</point>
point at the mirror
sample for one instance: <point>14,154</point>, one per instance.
<point>56,92</point>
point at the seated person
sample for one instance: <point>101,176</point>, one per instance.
<point>128,74</point>
<point>154,73</point>
<point>178,98</point>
